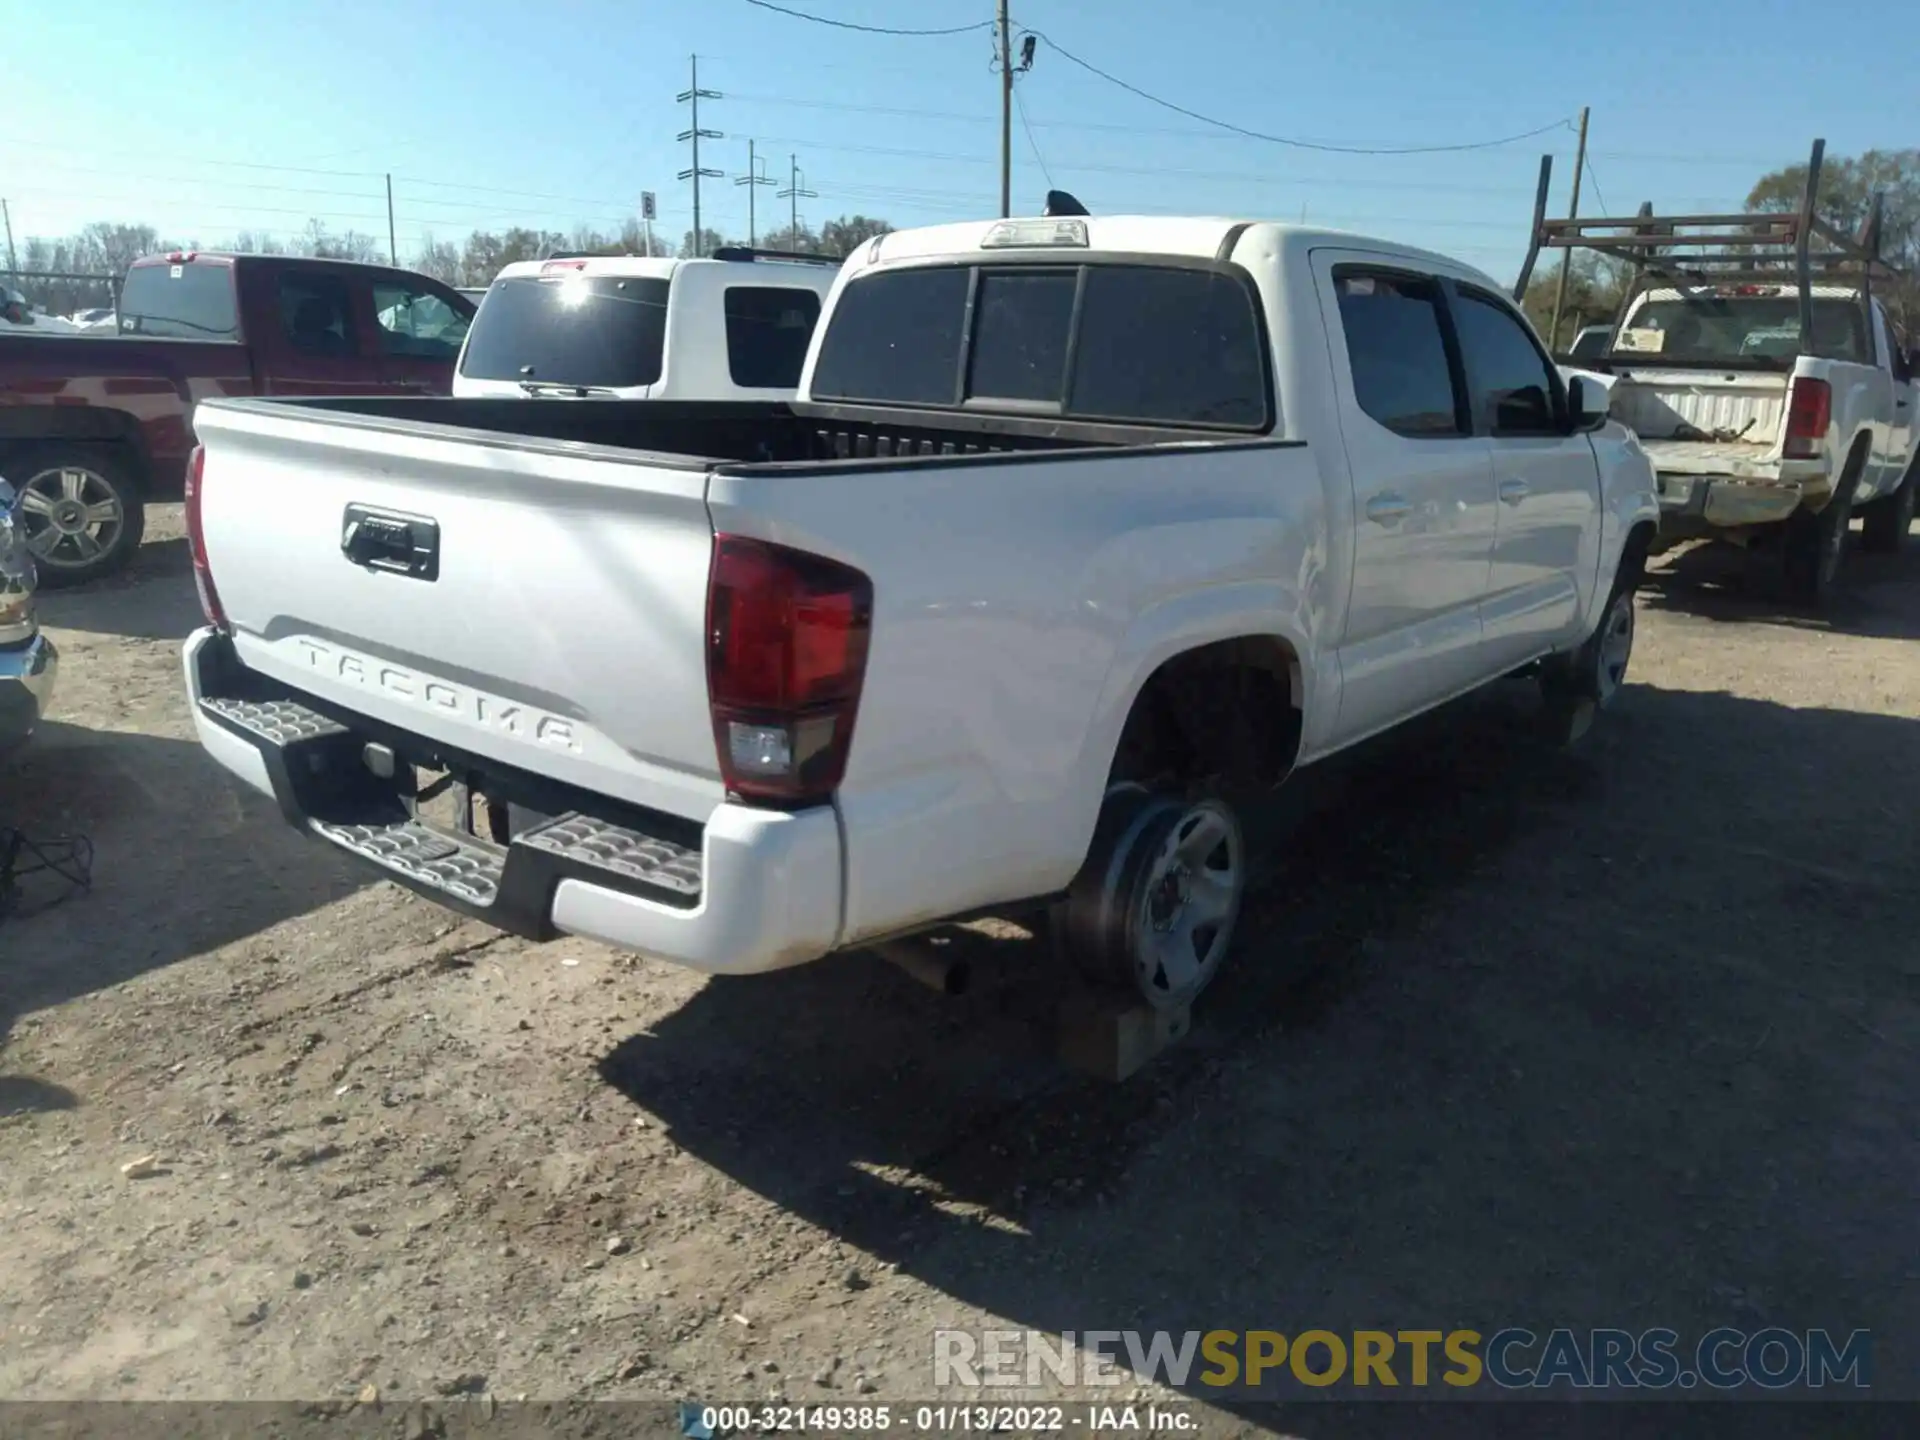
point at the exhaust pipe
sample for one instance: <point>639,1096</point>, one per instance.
<point>927,964</point>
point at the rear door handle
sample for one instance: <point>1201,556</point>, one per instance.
<point>1386,508</point>
<point>1512,492</point>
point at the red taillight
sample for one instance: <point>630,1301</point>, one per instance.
<point>562,267</point>
<point>1809,410</point>
<point>786,656</point>
<point>197,540</point>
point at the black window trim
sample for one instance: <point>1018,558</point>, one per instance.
<point>1466,423</point>
<point>1082,260</point>
<point>1455,291</point>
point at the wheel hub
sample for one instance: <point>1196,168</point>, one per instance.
<point>72,516</point>
<point>1190,903</point>
<point>1170,896</point>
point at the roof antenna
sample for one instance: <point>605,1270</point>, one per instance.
<point>1059,202</point>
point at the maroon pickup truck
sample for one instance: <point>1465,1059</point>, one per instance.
<point>92,426</point>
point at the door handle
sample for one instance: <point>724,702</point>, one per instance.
<point>1512,492</point>
<point>1387,507</point>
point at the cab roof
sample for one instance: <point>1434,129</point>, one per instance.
<point>1209,237</point>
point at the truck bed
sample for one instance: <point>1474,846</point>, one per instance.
<point>710,434</point>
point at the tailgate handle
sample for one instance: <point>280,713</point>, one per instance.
<point>387,540</point>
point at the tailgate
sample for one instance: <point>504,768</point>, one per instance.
<point>1713,408</point>
<point>552,617</point>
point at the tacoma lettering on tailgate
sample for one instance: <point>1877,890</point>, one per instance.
<point>485,710</point>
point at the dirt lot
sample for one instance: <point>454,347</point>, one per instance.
<point>1513,1038</point>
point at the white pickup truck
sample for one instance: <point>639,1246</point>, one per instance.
<point>1751,429</point>
<point>1081,529</point>
<point>734,326</point>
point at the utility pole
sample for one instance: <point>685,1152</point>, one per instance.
<point>1006,117</point>
<point>393,247</point>
<point>12,263</point>
<point>694,173</point>
<point>1566,256</point>
<point>796,193</point>
<point>753,179</point>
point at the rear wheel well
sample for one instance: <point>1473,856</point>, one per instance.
<point>1225,716</point>
<point>1633,555</point>
<point>115,433</point>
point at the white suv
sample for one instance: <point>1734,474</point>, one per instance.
<point>732,327</point>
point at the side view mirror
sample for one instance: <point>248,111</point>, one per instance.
<point>1588,402</point>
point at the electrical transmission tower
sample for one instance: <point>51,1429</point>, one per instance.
<point>795,192</point>
<point>694,172</point>
<point>753,180</point>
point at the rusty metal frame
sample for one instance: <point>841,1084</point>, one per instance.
<point>1734,249</point>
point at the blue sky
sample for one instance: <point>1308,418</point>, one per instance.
<point>205,117</point>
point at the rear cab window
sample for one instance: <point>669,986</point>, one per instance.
<point>185,300</point>
<point>1710,326</point>
<point>596,331</point>
<point>1114,341</point>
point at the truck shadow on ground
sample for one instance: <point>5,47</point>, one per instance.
<point>153,600</point>
<point>1512,1038</point>
<point>1722,583</point>
<point>184,861</point>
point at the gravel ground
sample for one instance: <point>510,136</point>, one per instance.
<point>1625,1039</point>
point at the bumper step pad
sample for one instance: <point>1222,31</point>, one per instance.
<point>509,886</point>
<point>444,862</point>
<point>280,722</point>
<point>599,845</point>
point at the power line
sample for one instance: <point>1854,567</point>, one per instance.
<point>1594,179</point>
<point>1248,177</point>
<point>1132,89</point>
<point>1032,144</point>
<point>868,29</point>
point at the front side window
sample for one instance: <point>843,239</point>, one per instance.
<point>1397,353</point>
<point>417,322</point>
<point>1512,384</point>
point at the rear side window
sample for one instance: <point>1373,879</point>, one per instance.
<point>316,314</point>
<point>1127,343</point>
<point>768,331</point>
<point>602,331</point>
<point>1397,353</point>
<point>1512,384</point>
<point>188,302</point>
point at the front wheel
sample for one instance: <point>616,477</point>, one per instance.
<point>83,512</point>
<point>1153,909</point>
